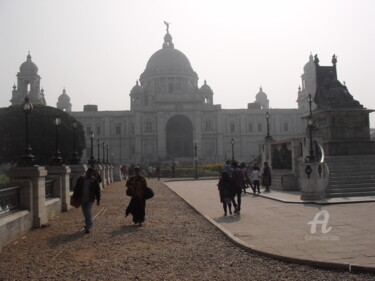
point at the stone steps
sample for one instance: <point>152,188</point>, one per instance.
<point>351,176</point>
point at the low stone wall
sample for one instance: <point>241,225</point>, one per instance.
<point>14,226</point>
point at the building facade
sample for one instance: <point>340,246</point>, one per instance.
<point>172,118</point>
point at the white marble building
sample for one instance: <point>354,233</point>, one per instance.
<point>170,114</point>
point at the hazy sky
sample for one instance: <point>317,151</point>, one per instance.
<point>97,49</point>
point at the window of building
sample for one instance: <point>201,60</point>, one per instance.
<point>170,88</point>
<point>286,127</point>
<point>209,126</point>
<point>148,126</point>
<point>98,130</point>
<point>118,129</point>
<point>88,130</point>
<point>132,128</point>
<point>250,127</point>
<point>260,129</point>
<point>147,101</point>
<point>232,128</point>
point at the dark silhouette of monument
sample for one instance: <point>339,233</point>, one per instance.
<point>342,122</point>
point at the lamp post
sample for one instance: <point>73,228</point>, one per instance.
<point>268,137</point>
<point>75,159</point>
<point>98,142</point>
<point>232,142</point>
<point>27,159</point>
<point>92,159</point>
<point>56,159</point>
<point>196,159</point>
<point>310,127</point>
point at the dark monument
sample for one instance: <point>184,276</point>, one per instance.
<point>342,122</point>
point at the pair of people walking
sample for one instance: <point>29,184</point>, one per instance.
<point>230,186</point>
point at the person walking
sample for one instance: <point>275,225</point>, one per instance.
<point>237,182</point>
<point>225,192</point>
<point>256,179</point>
<point>137,187</point>
<point>266,177</point>
<point>86,190</point>
<point>158,172</point>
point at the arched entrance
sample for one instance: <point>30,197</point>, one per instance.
<point>179,137</point>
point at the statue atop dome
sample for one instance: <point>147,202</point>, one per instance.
<point>167,25</point>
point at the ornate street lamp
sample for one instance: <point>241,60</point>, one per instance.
<point>75,159</point>
<point>92,159</point>
<point>196,158</point>
<point>232,142</point>
<point>268,137</point>
<point>27,159</point>
<point>310,127</point>
<point>56,159</point>
<point>98,142</point>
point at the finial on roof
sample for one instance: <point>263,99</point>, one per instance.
<point>28,56</point>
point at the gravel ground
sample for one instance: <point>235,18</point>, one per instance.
<point>175,243</point>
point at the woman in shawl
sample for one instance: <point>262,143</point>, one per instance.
<point>225,192</point>
<point>137,185</point>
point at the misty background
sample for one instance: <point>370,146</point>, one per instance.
<point>97,49</point>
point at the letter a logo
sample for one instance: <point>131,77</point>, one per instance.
<point>323,222</point>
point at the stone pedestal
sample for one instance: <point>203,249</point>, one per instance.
<point>62,174</point>
<point>37,176</point>
<point>110,173</point>
<point>117,175</point>
<point>107,174</point>
<point>99,169</point>
<point>76,172</point>
<point>344,131</point>
<point>313,180</point>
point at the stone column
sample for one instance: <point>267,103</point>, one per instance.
<point>76,172</point>
<point>117,176</point>
<point>63,172</point>
<point>37,175</point>
<point>313,180</point>
<point>107,175</point>
<point>99,169</point>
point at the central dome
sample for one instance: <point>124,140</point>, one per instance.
<point>29,67</point>
<point>168,61</point>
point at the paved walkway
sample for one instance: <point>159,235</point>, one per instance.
<point>280,228</point>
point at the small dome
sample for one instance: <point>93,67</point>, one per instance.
<point>64,97</point>
<point>260,94</point>
<point>309,66</point>
<point>205,88</point>
<point>137,89</point>
<point>28,67</point>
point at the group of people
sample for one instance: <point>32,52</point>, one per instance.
<point>87,190</point>
<point>235,179</point>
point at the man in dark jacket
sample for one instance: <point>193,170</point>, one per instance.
<point>87,189</point>
<point>237,181</point>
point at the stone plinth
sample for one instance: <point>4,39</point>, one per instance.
<point>344,131</point>
<point>313,180</point>
<point>117,175</point>
<point>37,176</point>
<point>62,188</point>
<point>76,172</point>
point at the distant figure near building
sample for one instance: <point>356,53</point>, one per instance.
<point>266,177</point>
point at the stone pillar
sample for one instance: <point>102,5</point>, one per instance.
<point>111,173</point>
<point>63,172</point>
<point>313,180</point>
<point>37,175</point>
<point>99,169</point>
<point>104,175</point>
<point>117,175</point>
<point>76,172</point>
<point>107,175</point>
